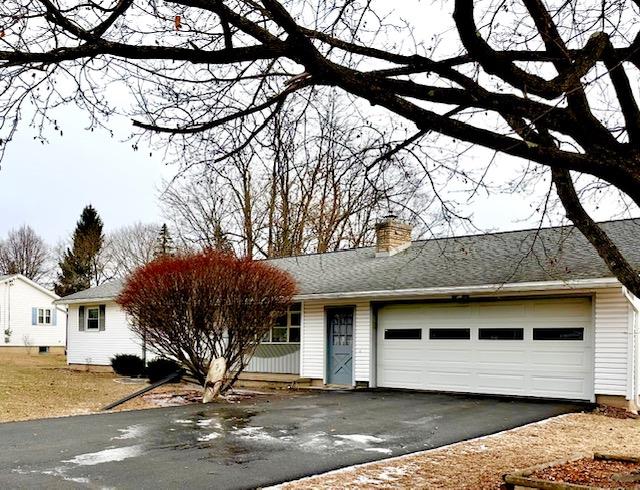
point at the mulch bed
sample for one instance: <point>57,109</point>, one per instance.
<point>593,472</point>
<point>616,413</point>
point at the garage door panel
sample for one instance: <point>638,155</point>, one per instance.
<point>549,368</point>
<point>501,356</point>
<point>560,359</point>
<point>496,381</point>
<point>558,386</point>
<point>447,355</point>
<point>450,380</point>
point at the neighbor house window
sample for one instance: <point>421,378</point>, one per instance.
<point>93,318</point>
<point>44,316</point>
<point>287,327</point>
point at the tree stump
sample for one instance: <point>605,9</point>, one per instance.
<point>215,379</point>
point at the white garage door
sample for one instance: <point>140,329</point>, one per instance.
<point>541,348</point>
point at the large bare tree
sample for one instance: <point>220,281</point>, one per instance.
<point>24,252</point>
<point>551,83</point>
<point>309,184</point>
<point>130,247</point>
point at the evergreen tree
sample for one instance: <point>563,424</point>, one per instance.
<point>164,243</point>
<point>79,268</point>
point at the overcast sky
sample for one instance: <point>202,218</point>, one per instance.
<point>46,186</point>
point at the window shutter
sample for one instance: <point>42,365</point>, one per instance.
<point>34,316</point>
<point>54,315</point>
<point>101,322</point>
<point>81,318</point>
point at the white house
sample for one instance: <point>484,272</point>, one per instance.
<point>28,316</point>
<point>527,313</point>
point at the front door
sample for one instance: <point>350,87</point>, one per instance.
<point>340,348</point>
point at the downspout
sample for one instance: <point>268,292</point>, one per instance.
<point>633,347</point>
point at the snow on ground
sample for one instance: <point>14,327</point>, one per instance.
<point>106,456</point>
<point>131,432</point>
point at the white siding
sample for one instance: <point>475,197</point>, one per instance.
<point>612,317</point>
<point>313,349</point>
<point>287,364</point>
<point>16,303</point>
<point>92,347</point>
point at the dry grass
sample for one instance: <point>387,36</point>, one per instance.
<point>480,463</point>
<point>38,386</point>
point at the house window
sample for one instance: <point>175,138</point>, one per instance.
<point>93,318</point>
<point>558,334</point>
<point>501,334</point>
<point>286,328</point>
<point>43,349</point>
<point>44,316</point>
<point>449,333</point>
<point>403,334</point>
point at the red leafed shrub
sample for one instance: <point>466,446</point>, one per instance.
<point>197,308</point>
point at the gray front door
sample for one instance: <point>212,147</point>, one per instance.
<point>340,348</point>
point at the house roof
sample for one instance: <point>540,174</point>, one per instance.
<point>527,256</point>
<point>30,282</point>
<point>105,291</point>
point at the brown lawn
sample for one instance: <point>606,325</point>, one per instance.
<point>35,386</point>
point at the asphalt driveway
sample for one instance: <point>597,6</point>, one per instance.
<point>266,441</point>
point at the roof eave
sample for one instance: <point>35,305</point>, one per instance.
<point>603,282</point>
<point>598,283</point>
<point>65,301</point>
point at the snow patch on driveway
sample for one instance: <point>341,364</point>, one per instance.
<point>106,456</point>
<point>131,432</point>
<point>360,438</point>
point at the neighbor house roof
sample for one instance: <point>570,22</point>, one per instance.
<point>30,282</point>
<point>106,291</point>
<point>559,254</point>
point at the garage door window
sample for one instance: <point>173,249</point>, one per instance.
<point>449,333</point>
<point>558,334</point>
<point>403,334</point>
<point>501,334</point>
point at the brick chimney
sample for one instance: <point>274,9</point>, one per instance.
<point>392,236</point>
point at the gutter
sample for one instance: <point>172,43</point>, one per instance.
<point>63,301</point>
<point>392,293</point>
<point>483,288</point>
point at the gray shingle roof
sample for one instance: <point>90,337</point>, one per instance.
<point>103,291</point>
<point>550,254</point>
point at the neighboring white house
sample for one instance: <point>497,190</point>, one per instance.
<point>527,313</point>
<point>28,316</point>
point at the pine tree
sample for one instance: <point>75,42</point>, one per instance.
<point>164,243</point>
<point>79,265</point>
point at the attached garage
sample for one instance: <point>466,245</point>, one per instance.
<point>531,347</point>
